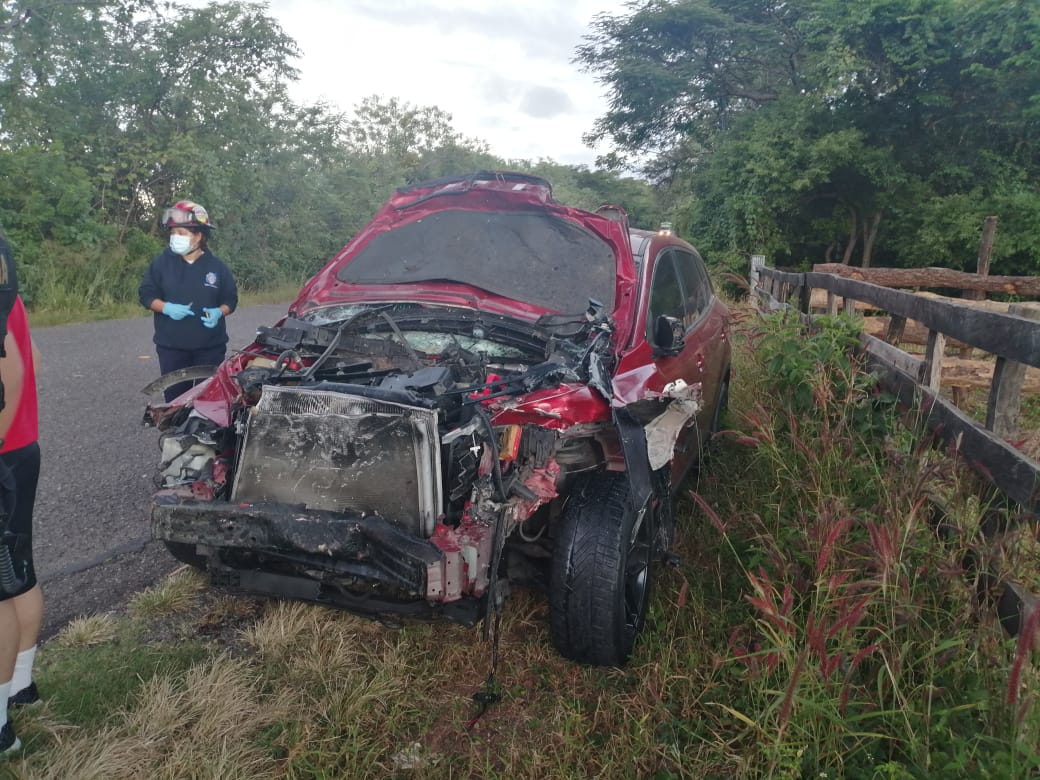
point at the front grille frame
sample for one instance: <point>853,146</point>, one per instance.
<point>295,436</point>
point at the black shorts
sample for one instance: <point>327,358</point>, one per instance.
<point>24,464</point>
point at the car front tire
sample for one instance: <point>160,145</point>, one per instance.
<point>601,573</point>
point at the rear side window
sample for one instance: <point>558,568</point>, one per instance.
<point>696,284</point>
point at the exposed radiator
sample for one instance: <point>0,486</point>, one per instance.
<point>330,450</point>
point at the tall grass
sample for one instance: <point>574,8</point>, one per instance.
<point>864,648</point>
<point>821,623</point>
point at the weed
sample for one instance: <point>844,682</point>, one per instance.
<point>861,650</point>
<point>88,631</point>
<point>176,593</point>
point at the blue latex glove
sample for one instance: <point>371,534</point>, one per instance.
<point>177,311</point>
<point>210,317</point>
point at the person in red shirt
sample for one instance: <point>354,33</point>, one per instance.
<point>21,601</point>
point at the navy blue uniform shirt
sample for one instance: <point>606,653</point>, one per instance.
<point>205,284</point>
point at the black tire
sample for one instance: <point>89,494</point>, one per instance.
<point>185,553</point>
<point>601,575</point>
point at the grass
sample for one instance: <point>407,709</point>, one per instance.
<point>816,626</point>
<point>71,309</point>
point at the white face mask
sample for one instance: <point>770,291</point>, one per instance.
<point>180,244</point>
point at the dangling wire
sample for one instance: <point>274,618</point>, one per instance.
<point>489,695</point>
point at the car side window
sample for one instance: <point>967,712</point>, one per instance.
<point>696,284</point>
<point>666,294</point>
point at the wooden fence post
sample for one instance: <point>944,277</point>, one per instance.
<point>896,326</point>
<point>757,262</point>
<point>989,232</point>
<point>1005,392</point>
<point>931,371</point>
<point>805,297</point>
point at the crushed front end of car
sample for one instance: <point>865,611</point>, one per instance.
<point>435,410</point>
<point>382,484</point>
<point>376,448</point>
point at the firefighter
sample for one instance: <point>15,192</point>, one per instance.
<point>190,292</point>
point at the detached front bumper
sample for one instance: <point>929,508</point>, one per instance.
<point>359,562</point>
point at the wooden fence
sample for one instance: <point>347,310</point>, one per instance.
<point>1012,337</point>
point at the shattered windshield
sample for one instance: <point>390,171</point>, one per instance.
<point>536,258</point>
<point>439,332</point>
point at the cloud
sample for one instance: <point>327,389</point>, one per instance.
<point>546,103</point>
<point>541,29</point>
<point>534,100</point>
<point>497,90</point>
<point>504,71</point>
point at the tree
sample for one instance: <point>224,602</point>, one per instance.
<point>824,129</point>
<point>112,109</point>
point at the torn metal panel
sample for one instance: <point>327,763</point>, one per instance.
<point>538,488</point>
<point>467,552</point>
<point>663,431</point>
<point>176,377</point>
<point>633,443</point>
<point>338,543</point>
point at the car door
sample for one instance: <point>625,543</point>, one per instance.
<point>706,342</point>
<point>671,297</point>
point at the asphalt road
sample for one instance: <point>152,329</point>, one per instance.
<point>91,538</point>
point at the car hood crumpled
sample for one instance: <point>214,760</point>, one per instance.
<point>503,245</point>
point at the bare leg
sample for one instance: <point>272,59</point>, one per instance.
<point>9,639</point>
<point>8,653</point>
<point>29,609</point>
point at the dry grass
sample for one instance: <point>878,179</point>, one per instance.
<point>200,725</point>
<point>89,631</point>
<point>177,593</point>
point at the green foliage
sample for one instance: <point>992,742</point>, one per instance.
<point>585,189</point>
<point>861,651</point>
<point>876,132</point>
<point>807,365</point>
<point>113,110</point>
<point>43,197</point>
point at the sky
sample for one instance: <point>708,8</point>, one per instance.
<point>501,68</point>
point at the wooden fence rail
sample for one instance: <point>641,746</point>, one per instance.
<point>1013,339</point>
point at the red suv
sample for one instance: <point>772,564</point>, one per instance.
<point>483,387</point>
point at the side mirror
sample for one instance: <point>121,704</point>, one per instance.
<point>668,336</point>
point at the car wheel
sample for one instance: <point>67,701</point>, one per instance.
<point>185,553</point>
<point>601,573</point>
